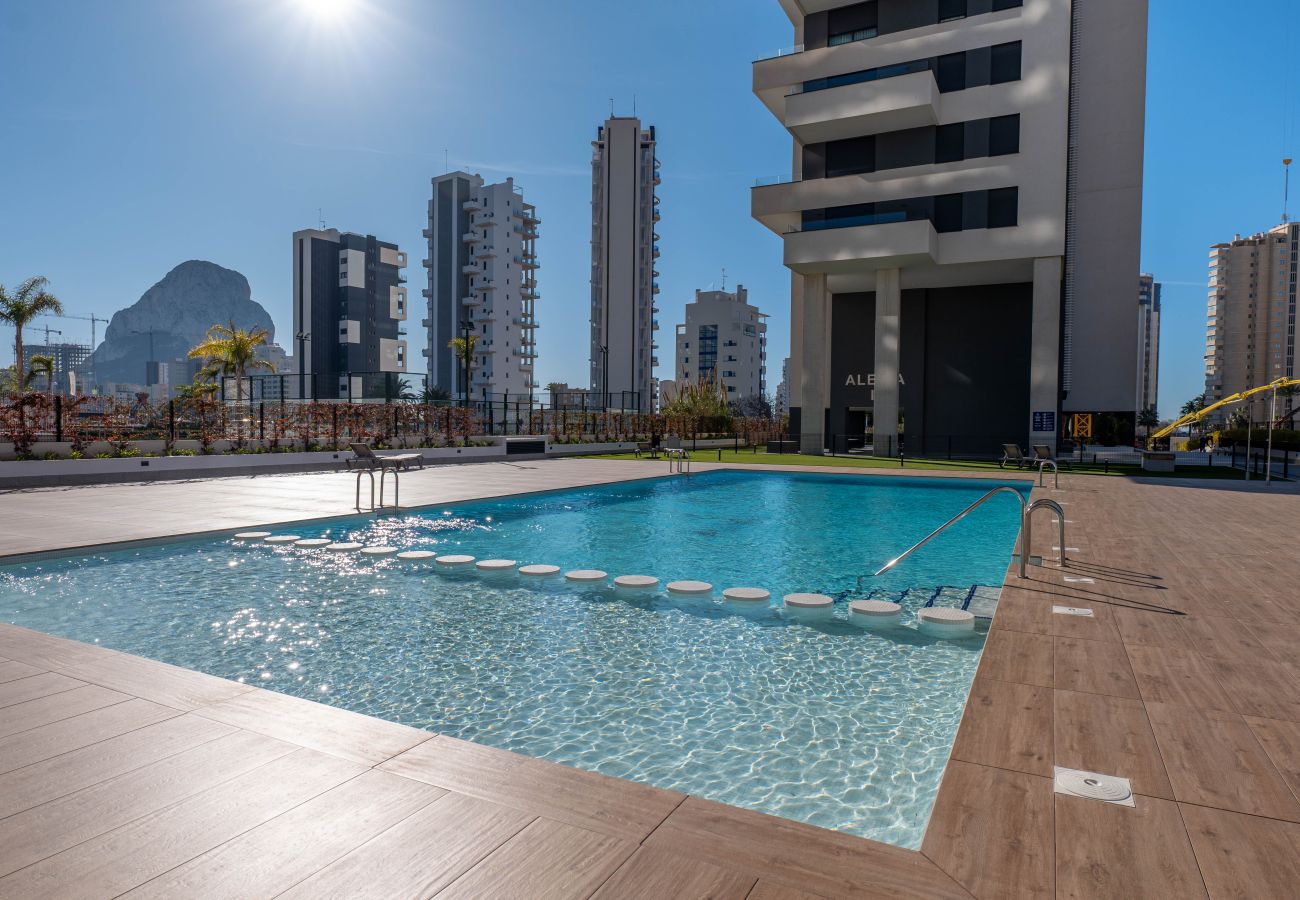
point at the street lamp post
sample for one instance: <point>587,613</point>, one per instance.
<point>466,325</point>
<point>604,374</point>
<point>302,337</point>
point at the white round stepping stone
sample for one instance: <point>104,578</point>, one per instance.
<point>586,576</point>
<point>454,561</point>
<point>311,543</point>
<point>496,566</point>
<point>747,594</point>
<point>690,588</point>
<point>539,570</point>
<point>283,539</point>
<point>945,622</point>
<point>247,536</point>
<point>416,557</point>
<point>875,613</point>
<point>809,606</point>
<point>343,547</point>
<point>636,582</point>
<point>378,552</point>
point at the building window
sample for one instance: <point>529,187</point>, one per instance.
<point>1005,63</point>
<point>951,9</point>
<point>950,72</point>
<point>950,143</point>
<point>1004,207</point>
<point>1004,135</point>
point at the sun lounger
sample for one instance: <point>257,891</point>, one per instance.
<point>1013,453</point>
<point>1043,453</point>
<point>366,458</point>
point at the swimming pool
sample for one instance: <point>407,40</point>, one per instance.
<point>821,722</point>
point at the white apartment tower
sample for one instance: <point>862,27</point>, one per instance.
<point>963,223</point>
<point>724,340</point>
<point>482,266</point>
<point>624,247</point>
<point>1250,332</point>
<point>1148,383</point>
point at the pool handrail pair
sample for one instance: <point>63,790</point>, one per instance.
<point>1026,528</point>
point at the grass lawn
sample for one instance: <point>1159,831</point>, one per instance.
<point>762,457</point>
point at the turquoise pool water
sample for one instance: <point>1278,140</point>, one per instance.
<point>820,722</point>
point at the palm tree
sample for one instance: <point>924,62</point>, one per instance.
<point>26,303</point>
<point>433,395</point>
<point>42,365</point>
<point>464,347</point>
<point>1148,419</point>
<point>228,350</point>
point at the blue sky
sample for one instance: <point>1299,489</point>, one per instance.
<point>141,133</point>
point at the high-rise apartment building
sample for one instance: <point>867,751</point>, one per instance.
<point>482,266</point>
<point>349,306</point>
<point>1250,332</point>
<point>70,364</point>
<point>781,403</point>
<point>624,247</point>
<point>1148,344</point>
<point>963,222</point>
<point>724,340</point>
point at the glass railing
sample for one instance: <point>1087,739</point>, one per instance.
<point>867,75</point>
<point>784,51</point>
<point>849,222</point>
<point>775,179</point>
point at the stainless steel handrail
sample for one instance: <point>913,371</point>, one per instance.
<point>371,473</point>
<point>963,514</point>
<point>1056,472</point>
<point>1027,530</point>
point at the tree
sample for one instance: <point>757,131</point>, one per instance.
<point>706,397</point>
<point>1148,419</point>
<point>464,347</point>
<point>228,350</point>
<point>755,406</point>
<point>19,309</point>
<point>199,390</point>
<point>42,365</point>
<point>434,395</point>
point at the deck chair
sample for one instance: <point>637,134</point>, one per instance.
<point>1013,453</point>
<point>1043,453</point>
<point>366,458</point>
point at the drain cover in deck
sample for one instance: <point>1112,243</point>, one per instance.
<point>1073,611</point>
<point>1094,786</point>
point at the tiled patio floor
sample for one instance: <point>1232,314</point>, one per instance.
<point>120,774</point>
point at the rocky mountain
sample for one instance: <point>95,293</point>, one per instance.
<point>179,310</point>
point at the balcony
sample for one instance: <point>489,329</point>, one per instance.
<point>471,237</point>
<point>525,321</point>
<point>470,270</point>
<point>871,245</point>
<point>472,204</point>
<point>852,110</point>
<point>487,251</point>
<point>483,284</point>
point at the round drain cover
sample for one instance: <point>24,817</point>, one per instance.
<point>1094,786</point>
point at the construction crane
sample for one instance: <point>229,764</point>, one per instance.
<point>1238,397</point>
<point>93,320</point>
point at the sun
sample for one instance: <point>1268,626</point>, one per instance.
<point>327,11</point>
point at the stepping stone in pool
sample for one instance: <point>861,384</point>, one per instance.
<point>875,613</point>
<point>747,595</point>
<point>496,566</point>
<point>946,622</point>
<point>378,552</point>
<point>454,561</point>
<point>586,576</point>
<point>690,588</point>
<point>283,539</point>
<point>312,543</point>
<point>416,557</point>
<point>343,547</point>
<point>247,537</point>
<point>809,606</point>
<point>538,570</point>
<point>636,582</point>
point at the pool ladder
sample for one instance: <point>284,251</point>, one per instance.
<point>1026,528</point>
<point>383,474</point>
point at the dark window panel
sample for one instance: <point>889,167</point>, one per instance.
<point>1003,207</point>
<point>947,213</point>
<point>978,67</point>
<point>950,72</point>
<point>1004,135</point>
<point>949,143</point>
<point>974,210</point>
<point>977,138</point>
<point>1006,4</point>
<point>854,156</point>
<point>951,9</point>
<point>1006,63</point>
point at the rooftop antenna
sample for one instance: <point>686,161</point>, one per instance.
<point>321,216</point>
<point>446,161</point>
<point>634,106</point>
<point>611,107</point>
<point>1286,191</point>
<point>724,278</point>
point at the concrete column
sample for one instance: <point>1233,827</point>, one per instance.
<point>884,404</point>
<point>813,362</point>
<point>1045,353</point>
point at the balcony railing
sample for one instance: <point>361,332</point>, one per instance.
<point>783,51</point>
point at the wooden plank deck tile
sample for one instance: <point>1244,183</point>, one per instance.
<point>1213,759</point>
<point>1008,726</point>
<point>328,729</point>
<point>1149,628</point>
<point>276,855</point>
<point>1017,656</point>
<point>70,734</point>
<point>151,845</point>
<point>797,855</point>
<point>1101,626</point>
<point>548,859</point>
<point>33,687</point>
<point>1244,856</point>
<point>652,873</point>
<point>1019,610</point>
<point>1225,638</point>
<point>64,705</point>
<point>1110,735</point>
<point>44,781</point>
<point>1281,640</point>
<point>1104,851</point>
<point>597,802</point>
<point>42,831</point>
<point>1281,741</point>
<point>11,670</point>
<point>1259,687</point>
<point>418,856</point>
<point>771,890</point>
<point>991,830</point>
<point>1178,676</point>
<point>1093,667</point>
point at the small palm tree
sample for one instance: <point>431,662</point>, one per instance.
<point>228,350</point>
<point>1148,419</point>
<point>432,395</point>
<point>464,347</point>
<point>42,365</point>
<point>20,308</point>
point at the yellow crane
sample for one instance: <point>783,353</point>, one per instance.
<point>1226,401</point>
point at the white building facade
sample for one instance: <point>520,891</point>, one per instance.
<point>624,248</point>
<point>482,264</point>
<point>723,340</point>
<point>962,224</point>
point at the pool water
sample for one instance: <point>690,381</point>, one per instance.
<point>822,722</point>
